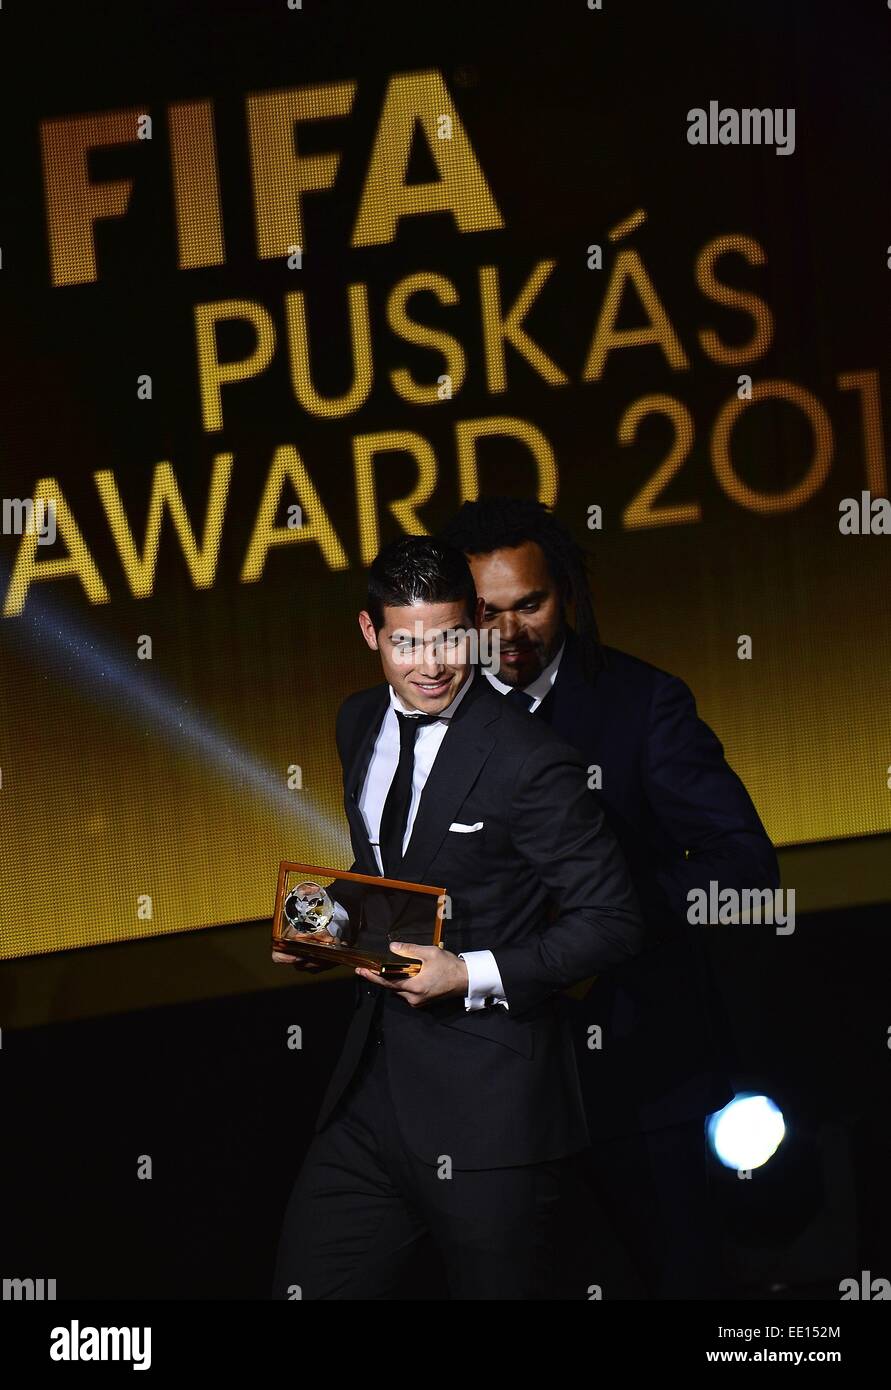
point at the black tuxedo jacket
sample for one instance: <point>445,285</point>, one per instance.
<point>682,818</point>
<point>542,884</point>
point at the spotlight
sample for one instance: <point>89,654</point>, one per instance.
<point>747,1132</point>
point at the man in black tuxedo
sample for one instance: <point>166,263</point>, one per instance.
<point>682,818</point>
<point>450,1115</point>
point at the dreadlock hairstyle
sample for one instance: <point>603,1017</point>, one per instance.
<point>500,523</point>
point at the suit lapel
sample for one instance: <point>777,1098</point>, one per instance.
<point>467,744</point>
<point>568,707</point>
<point>354,779</point>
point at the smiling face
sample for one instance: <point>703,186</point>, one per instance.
<point>424,652</point>
<point>521,601</point>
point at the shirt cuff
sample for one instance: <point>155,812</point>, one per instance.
<point>484,986</point>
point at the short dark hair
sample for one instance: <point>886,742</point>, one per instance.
<point>502,523</point>
<point>418,569</point>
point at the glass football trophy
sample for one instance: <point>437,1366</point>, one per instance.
<point>350,919</point>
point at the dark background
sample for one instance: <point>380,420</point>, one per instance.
<point>225,1111</point>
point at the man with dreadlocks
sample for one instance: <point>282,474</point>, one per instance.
<point>683,818</point>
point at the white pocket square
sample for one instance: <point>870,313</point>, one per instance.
<point>465,829</point>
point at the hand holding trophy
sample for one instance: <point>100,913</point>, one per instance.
<point>325,918</point>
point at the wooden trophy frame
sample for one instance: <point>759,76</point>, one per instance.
<point>333,952</point>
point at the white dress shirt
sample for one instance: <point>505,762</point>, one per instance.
<point>484,984</point>
<point>385,759</point>
<point>536,689</point>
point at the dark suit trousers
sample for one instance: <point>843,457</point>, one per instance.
<point>656,1186</point>
<point>363,1204</point>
